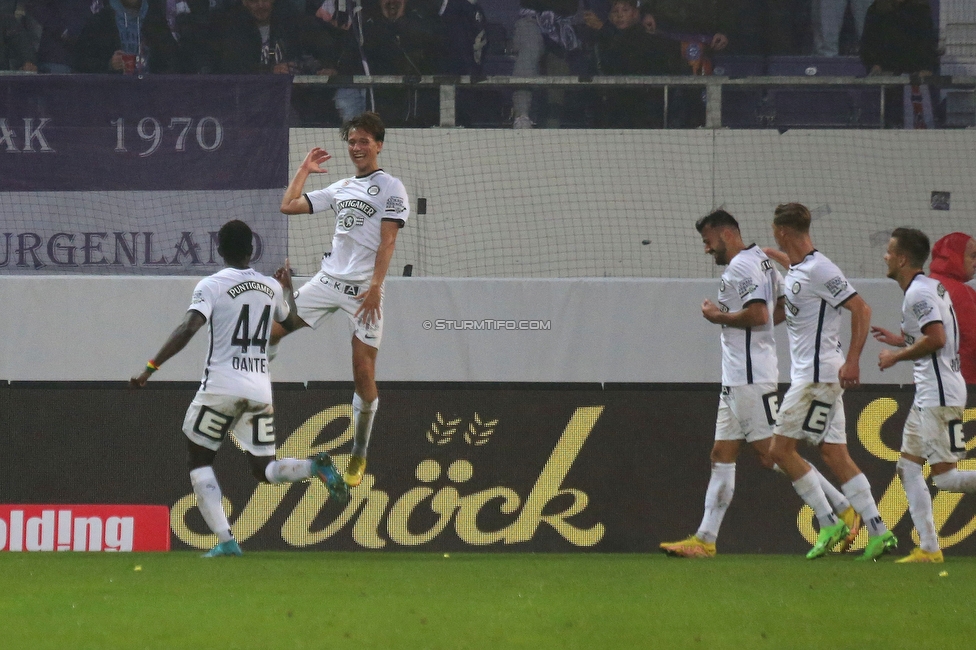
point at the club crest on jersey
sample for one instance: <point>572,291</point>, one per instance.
<point>921,309</point>
<point>795,288</point>
<point>250,285</point>
<point>909,339</point>
<point>373,190</point>
<point>836,285</point>
<point>356,204</point>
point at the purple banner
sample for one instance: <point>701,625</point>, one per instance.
<point>104,132</point>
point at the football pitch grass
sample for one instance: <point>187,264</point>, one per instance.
<point>488,600</point>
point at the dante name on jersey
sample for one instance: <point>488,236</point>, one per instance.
<point>239,305</point>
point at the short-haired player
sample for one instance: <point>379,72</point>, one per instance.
<point>371,208</point>
<point>929,338</point>
<point>234,397</point>
<point>813,408</point>
<point>750,302</point>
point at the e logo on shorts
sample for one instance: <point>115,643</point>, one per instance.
<point>817,417</point>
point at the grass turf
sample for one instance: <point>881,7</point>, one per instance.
<point>490,600</point>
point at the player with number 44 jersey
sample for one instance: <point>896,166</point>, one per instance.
<point>933,430</point>
<point>234,398</point>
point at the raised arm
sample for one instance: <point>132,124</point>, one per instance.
<point>293,202</point>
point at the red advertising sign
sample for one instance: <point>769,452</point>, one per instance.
<point>84,528</point>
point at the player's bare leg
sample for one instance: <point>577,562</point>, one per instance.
<point>365,403</point>
<point>858,491</point>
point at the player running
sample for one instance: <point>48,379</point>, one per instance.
<point>235,394</point>
<point>750,302</point>
<point>370,209</point>
<point>813,408</point>
<point>933,431</point>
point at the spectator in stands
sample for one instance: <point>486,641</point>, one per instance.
<point>259,37</point>
<point>16,52</point>
<point>900,37</point>
<point>543,39</point>
<point>828,19</point>
<point>702,26</point>
<point>61,22</point>
<point>954,264</point>
<point>128,37</point>
<point>624,47</point>
<point>399,39</point>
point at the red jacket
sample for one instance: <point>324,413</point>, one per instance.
<point>947,268</point>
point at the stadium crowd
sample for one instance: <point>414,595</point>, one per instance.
<point>454,37</point>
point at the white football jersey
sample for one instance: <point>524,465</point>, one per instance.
<point>239,305</point>
<point>815,291</point>
<point>749,355</point>
<point>360,206</point>
<point>938,380</point>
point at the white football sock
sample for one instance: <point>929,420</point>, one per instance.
<point>363,413</point>
<point>858,492</point>
<point>956,481</point>
<point>288,470</point>
<point>919,503</point>
<point>721,487</point>
<point>808,487</point>
<point>837,500</point>
<point>208,493</point>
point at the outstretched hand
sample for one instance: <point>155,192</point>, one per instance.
<point>313,161</point>
<point>283,276</point>
<point>889,338</point>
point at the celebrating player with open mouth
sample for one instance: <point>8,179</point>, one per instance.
<point>370,209</point>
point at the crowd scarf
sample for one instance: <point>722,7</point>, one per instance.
<point>917,106</point>
<point>558,29</point>
<point>695,50</point>
<point>130,32</point>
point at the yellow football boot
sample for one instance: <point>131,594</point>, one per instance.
<point>355,471</point>
<point>691,547</point>
<point>918,555</point>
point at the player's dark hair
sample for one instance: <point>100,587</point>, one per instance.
<point>369,122</point>
<point>794,216</point>
<point>235,241</point>
<point>717,219</point>
<point>912,243</point>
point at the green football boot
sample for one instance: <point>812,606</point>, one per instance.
<point>830,536</point>
<point>878,546</point>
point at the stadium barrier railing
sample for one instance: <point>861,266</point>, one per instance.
<point>714,87</point>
